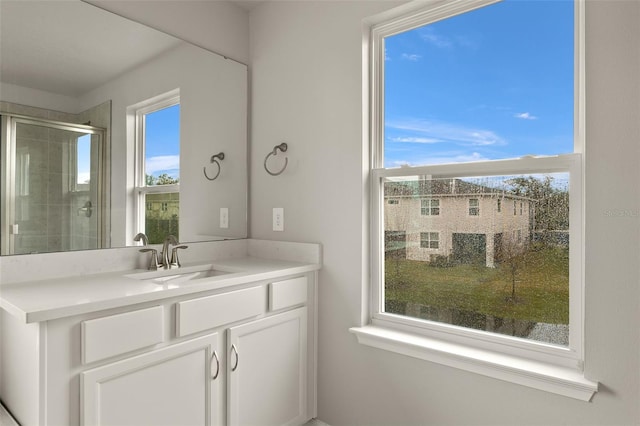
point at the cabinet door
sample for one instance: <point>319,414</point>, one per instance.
<point>267,370</point>
<point>174,385</point>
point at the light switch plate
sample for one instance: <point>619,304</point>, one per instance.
<point>278,219</point>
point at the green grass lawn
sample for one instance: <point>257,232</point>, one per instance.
<point>542,287</point>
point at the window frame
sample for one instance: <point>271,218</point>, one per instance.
<point>141,190</point>
<point>430,240</point>
<point>474,210</point>
<point>536,364</point>
<point>430,208</point>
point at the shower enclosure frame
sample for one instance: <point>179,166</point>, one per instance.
<point>8,169</point>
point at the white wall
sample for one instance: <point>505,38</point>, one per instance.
<point>28,96</point>
<point>213,98</point>
<point>306,90</point>
<point>219,26</point>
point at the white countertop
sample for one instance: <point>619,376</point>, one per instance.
<point>44,300</point>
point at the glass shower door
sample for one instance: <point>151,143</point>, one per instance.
<point>51,186</point>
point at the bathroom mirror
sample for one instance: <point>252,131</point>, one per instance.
<point>73,79</point>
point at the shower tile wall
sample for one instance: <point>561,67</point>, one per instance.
<point>43,212</point>
<point>44,206</point>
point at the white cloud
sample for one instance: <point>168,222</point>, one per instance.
<point>429,35</point>
<point>411,57</point>
<point>526,116</point>
<point>445,158</point>
<point>83,177</point>
<point>414,140</point>
<point>449,132</point>
<point>162,163</point>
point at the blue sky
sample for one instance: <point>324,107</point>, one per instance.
<point>162,150</point>
<point>83,159</point>
<point>493,83</point>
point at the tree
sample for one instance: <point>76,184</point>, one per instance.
<point>550,201</point>
<point>512,256</point>
<point>163,179</point>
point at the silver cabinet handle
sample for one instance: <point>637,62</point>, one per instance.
<point>215,356</point>
<point>234,349</point>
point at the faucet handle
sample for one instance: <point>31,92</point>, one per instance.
<point>153,262</point>
<point>175,262</point>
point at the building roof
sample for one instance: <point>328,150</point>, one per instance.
<point>444,187</point>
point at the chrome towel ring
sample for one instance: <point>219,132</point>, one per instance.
<point>282,147</point>
<point>214,160</point>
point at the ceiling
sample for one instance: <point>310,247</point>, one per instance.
<point>38,42</point>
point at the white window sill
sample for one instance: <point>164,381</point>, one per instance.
<point>550,378</point>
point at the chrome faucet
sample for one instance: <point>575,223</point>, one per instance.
<point>170,239</point>
<point>172,262</point>
<point>154,265</point>
<point>141,237</point>
<point>163,261</point>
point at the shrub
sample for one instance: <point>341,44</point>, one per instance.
<point>440,261</point>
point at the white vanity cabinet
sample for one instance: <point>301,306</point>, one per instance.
<point>175,385</point>
<point>267,364</point>
<point>239,355</point>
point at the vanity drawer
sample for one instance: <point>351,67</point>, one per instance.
<point>287,293</point>
<point>117,334</point>
<point>204,313</point>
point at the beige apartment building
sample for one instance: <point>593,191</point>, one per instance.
<point>464,221</point>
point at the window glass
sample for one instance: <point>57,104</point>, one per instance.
<point>83,160</point>
<point>492,83</point>
<point>474,207</point>
<point>162,146</point>
<point>429,240</point>
<point>162,216</point>
<point>499,273</point>
<point>430,207</point>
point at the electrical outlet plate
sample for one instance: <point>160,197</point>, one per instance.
<point>224,217</point>
<point>278,219</point>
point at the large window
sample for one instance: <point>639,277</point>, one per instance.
<point>478,103</point>
<point>158,167</point>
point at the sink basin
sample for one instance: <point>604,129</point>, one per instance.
<point>187,276</point>
<point>177,276</point>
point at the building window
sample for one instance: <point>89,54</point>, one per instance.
<point>430,207</point>
<point>474,207</point>
<point>157,140</point>
<point>393,201</point>
<point>436,133</point>
<point>430,240</point>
